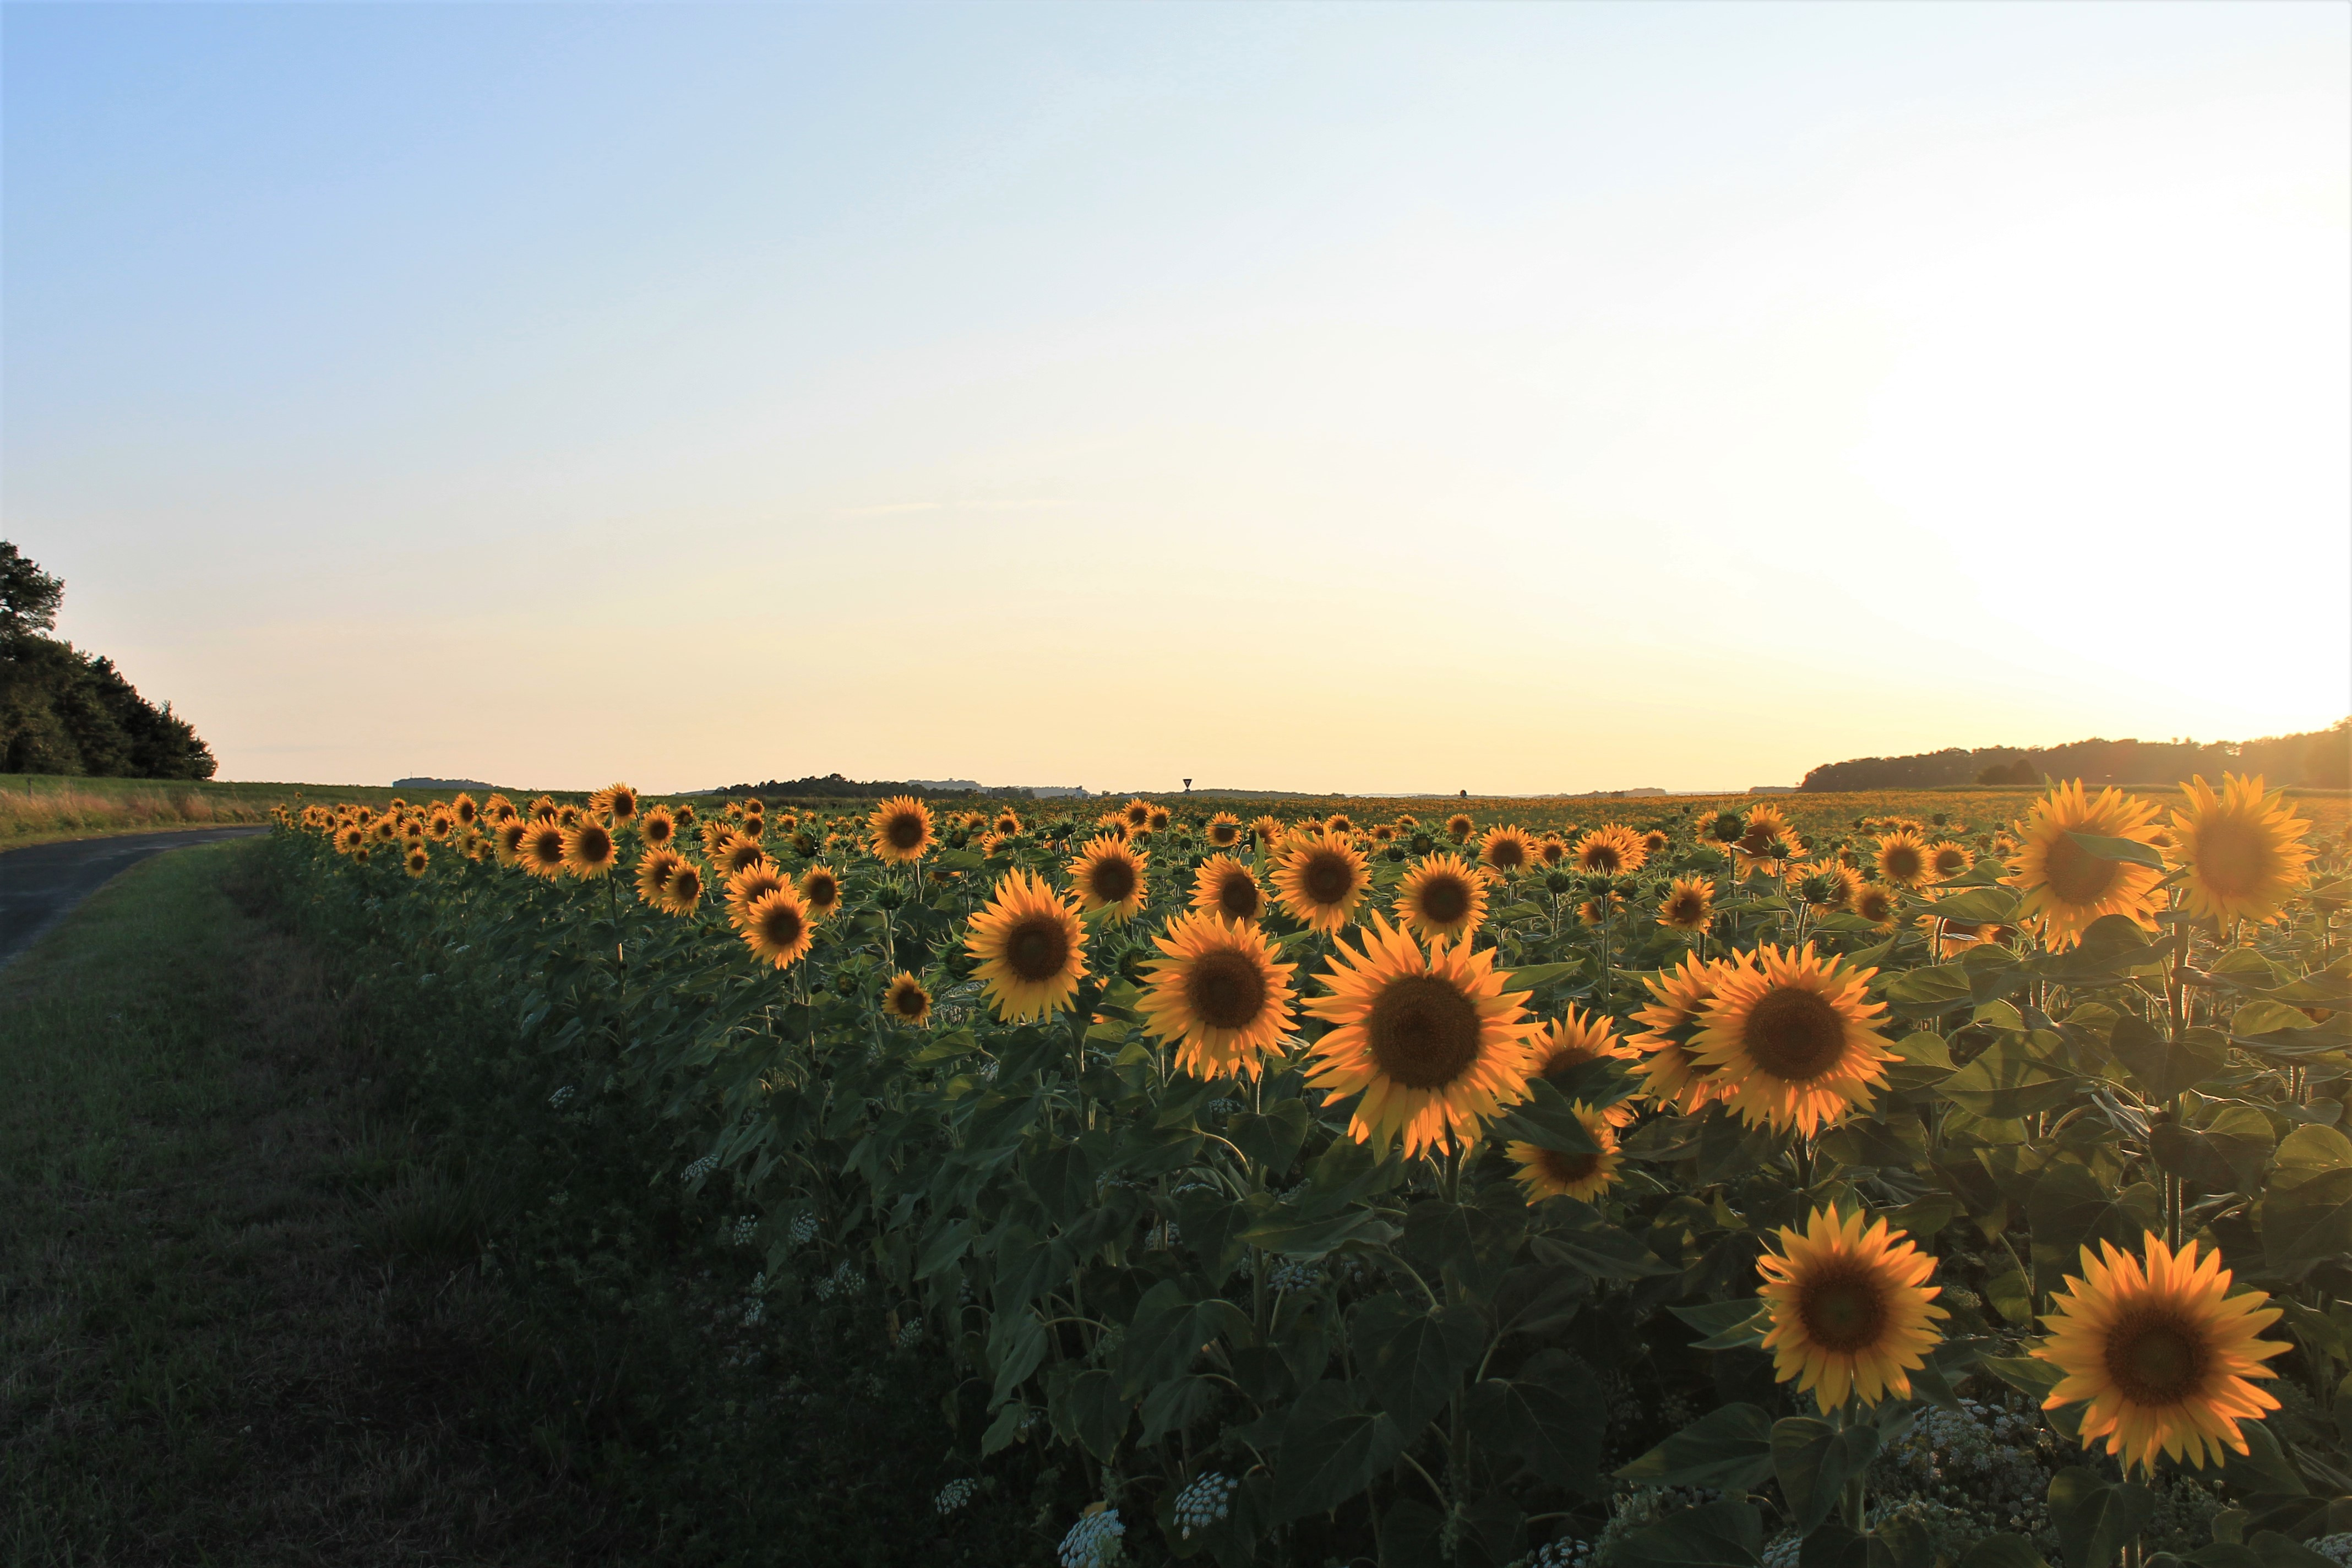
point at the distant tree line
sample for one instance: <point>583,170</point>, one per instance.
<point>833,787</point>
<point>66,711</point>
<point>2321,758</point>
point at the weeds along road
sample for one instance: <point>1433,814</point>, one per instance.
<point>39,885</point>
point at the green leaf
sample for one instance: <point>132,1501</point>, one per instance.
<point>1923,993</point>
<point>1726,1325</point>
<point>2225,1155</point>
<point>1273,1139</point>
<point>1212,1224</point>
<point>1712,1535</point>
<point>957,860</point>
<point>1600,1250</point>
<point>2126,851</point>
<point>1063,1180</point>
<point>2070,1209</point>
<point>1978,906</point>
<point>2002,1551</point>
<point>2095,1517</point>
<point>1551,1416</point>
<point>1548,1121</point>
<point>1294,1234</point>
<point>942,1247</point>
<point>1815,1460</point>
<point>1901,1542</point>
<point>1527,977</point>
<point>2265,1018</point>
<point>2276,1551</point>
<point>1412,1360</point>
<point>2264,1469</point>
<point>1176,1404</point>
<point>2009,1081</point>
<point>2307,1205</point>
<point>1011,1422</point>
<point>1086,1408</point>
<point>1017,1343</point>
<point>2165,1068</point>
<point>1729,1447</point>
<point>1332,1447</point>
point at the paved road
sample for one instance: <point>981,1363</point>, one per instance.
<point>39,885</point>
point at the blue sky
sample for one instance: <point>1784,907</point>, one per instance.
<point>1380,397</point>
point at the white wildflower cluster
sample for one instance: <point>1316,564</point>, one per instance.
<point>1206,1499</point>
<point>1568,1551</point>
<point>746,1227</point>
<point>1783,1551</point>
<point>1093,1542</point>
<point>699,1169</point>
<point>1289,1274</point>
<point>803,1229</point>
<point>910,1333</point>
<point>1985,1470</point>
<point>2336,1548</point>
<point>985,1072</point>
<point>1224,1108</point>
<point>843,1281</point>
<point>555,1102</point>
<point>954,1495</point>
<point>1638,1508</point>
<point>1163,1236</point>
<point>755,1312</point>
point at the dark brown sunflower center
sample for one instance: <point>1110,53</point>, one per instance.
<point>2074,873</point>
<point>1225,989</point>
<point>1036,948</point>
<point>1567,1168</point>
<point>1843,1308</point>
<point>1602,857</point>
<point>1444,900</point>
<point>1237,896</point>
<point>1556,1065</point>
<point>1684,909</point>
<point>1795,1033</point>
<point>907,1000</point>
<point>1112,880</point>
<point>904,831</point>
<point>1949,861</point>
<point>1900,861</point>
<point>1423,1032</point>
<point>1874,905</point>
<point>1327,877</point>
<point>2231,858</point>
<point>2155,1356</point>
<point>782,925</point>
<point>1223,835</point>
<point>823,891</point>
<point>1507,853</point>
<point>550,846</point>
<point>595,844</point>
<point>686,882</point>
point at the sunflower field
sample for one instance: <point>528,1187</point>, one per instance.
<point>1710,1188</point>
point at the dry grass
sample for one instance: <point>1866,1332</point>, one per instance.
<point>35,815</point>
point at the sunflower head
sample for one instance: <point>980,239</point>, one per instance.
<point>1902,860</point>
<point>1793,1039</point>
<point>464,809</point>
<point>1321,880</point>
<point>776,927</point>
<point>1031,948</point>
<point>658,826</point>
<point>1431,1041</point>
<point>1157,821</point>
<point>1224,830</point>
<point>415,861</point>
<point>735,852</point>
<point>748,885</point>
<point>1689,906</point>
<point>2066,887</point>
<point>540,852</point>
<point>1876,904</point>
<point>1007,823</point>
<point>1946,859</point>
<point>820,890</point>
<point>654,868</point>
<point>1508,850</point>
<point>616,802</point>
<point>907,1000</point>
<point>1135,814</point>
<point>685,888</point>
<point>1267,831</point>
<point>1611,851</point>
<point>2243,850</point>
<point>588,848</point>
<point>1852,1312</point>
<point>1110,875</point>
<point>1551,1173</point>
<point>1219,994</point>
<point>1441,898</point>
<point>1458,828</point>
<point>2161,1352</point>
<point>1227,888</point>
<point>900,830</point>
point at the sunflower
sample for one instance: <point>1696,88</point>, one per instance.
<point>540,852</point>
<point>1321,880</point>
<point>415,861</point>
<point>1225,886</point>
<point>1383,834</point>
<point>736,851</point>
<point>1030,947</point>
<point>618,802</point>
<point>1876,904</point>
<point>776,927</point>
<point>2161,1352</point>
<point>1689,906</point>
<point>684,889</point>
<point>1851,1310</point>
<point>1267,831</point>
<point>1946,859</point>
<point>1792,1039</point>
<point>901,829</point>
<point>1224,830</point>
<point>1458,828</point>
<point>657,827</point>
<point>1007,823</point>
<point>1109,875</point>
<point>820,890</point>
<point>1902,860</point>
<point>1654,842</point>
<point>349,838</point>
<point>654,868</point>
<point>1136,813</point>
<point>907,1000</point>
<point>1434,1044</point>
<point>464,809</point>
<point>588,848</point>
<point>439,825</point>
<point>753,882</point>
<point>1765,826</point>
<point>566,815</point>
<point>1219,993</point>
<point>1338,822</point>
<point>1611,851</point>
<point>1158,820</point>
<point>506,842</point>
<point>1551,1174</point>
<point>384,829</point>
<point>1828,885</point>
<point>2066,887</point>
<point>1507,849</point>
<point>1442,897</point>
<point>2243,850</point>
<point>1566,1044</point>
<point>498,808</point>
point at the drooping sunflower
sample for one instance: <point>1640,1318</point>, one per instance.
<point>654,868</point>
<point>540,852</point>
<point>1109,874</point>
<point>900,830</point>
<point>416,860</point>
<point>2243,850</point>
<point>685,888</point>
<point>1224,830</point>
<point>1458,828</point>
<point>776,927</point>
<point>1321,880</point>
<point>658,826</point>
<point>1507,849</point>
<point>1851,1310</point>
<point>1433,1043</point>
<point>907,1000</point>
<point>589,850</point>
<point>1689,906</point>
<point>1549,1172</point>
<point>1226,887</point>
<point>2066,887</point>
<point>1946,859</point>
<point>753,882</point>
<point>1792,1039</point>
<point>2161,1352</point>
<point>1902,860</point>
<point>1031,949</point>
<point>1219,994</point>
<point>618,802</point>
<point>1611,851</point>
<point>1441,898</point>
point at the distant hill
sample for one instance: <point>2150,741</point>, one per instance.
<point>833,787</point>
<point>66,711</point>
<point>2322,758</point>
<point>441,783</point>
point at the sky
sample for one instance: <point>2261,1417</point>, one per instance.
<point>1351,397</point>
